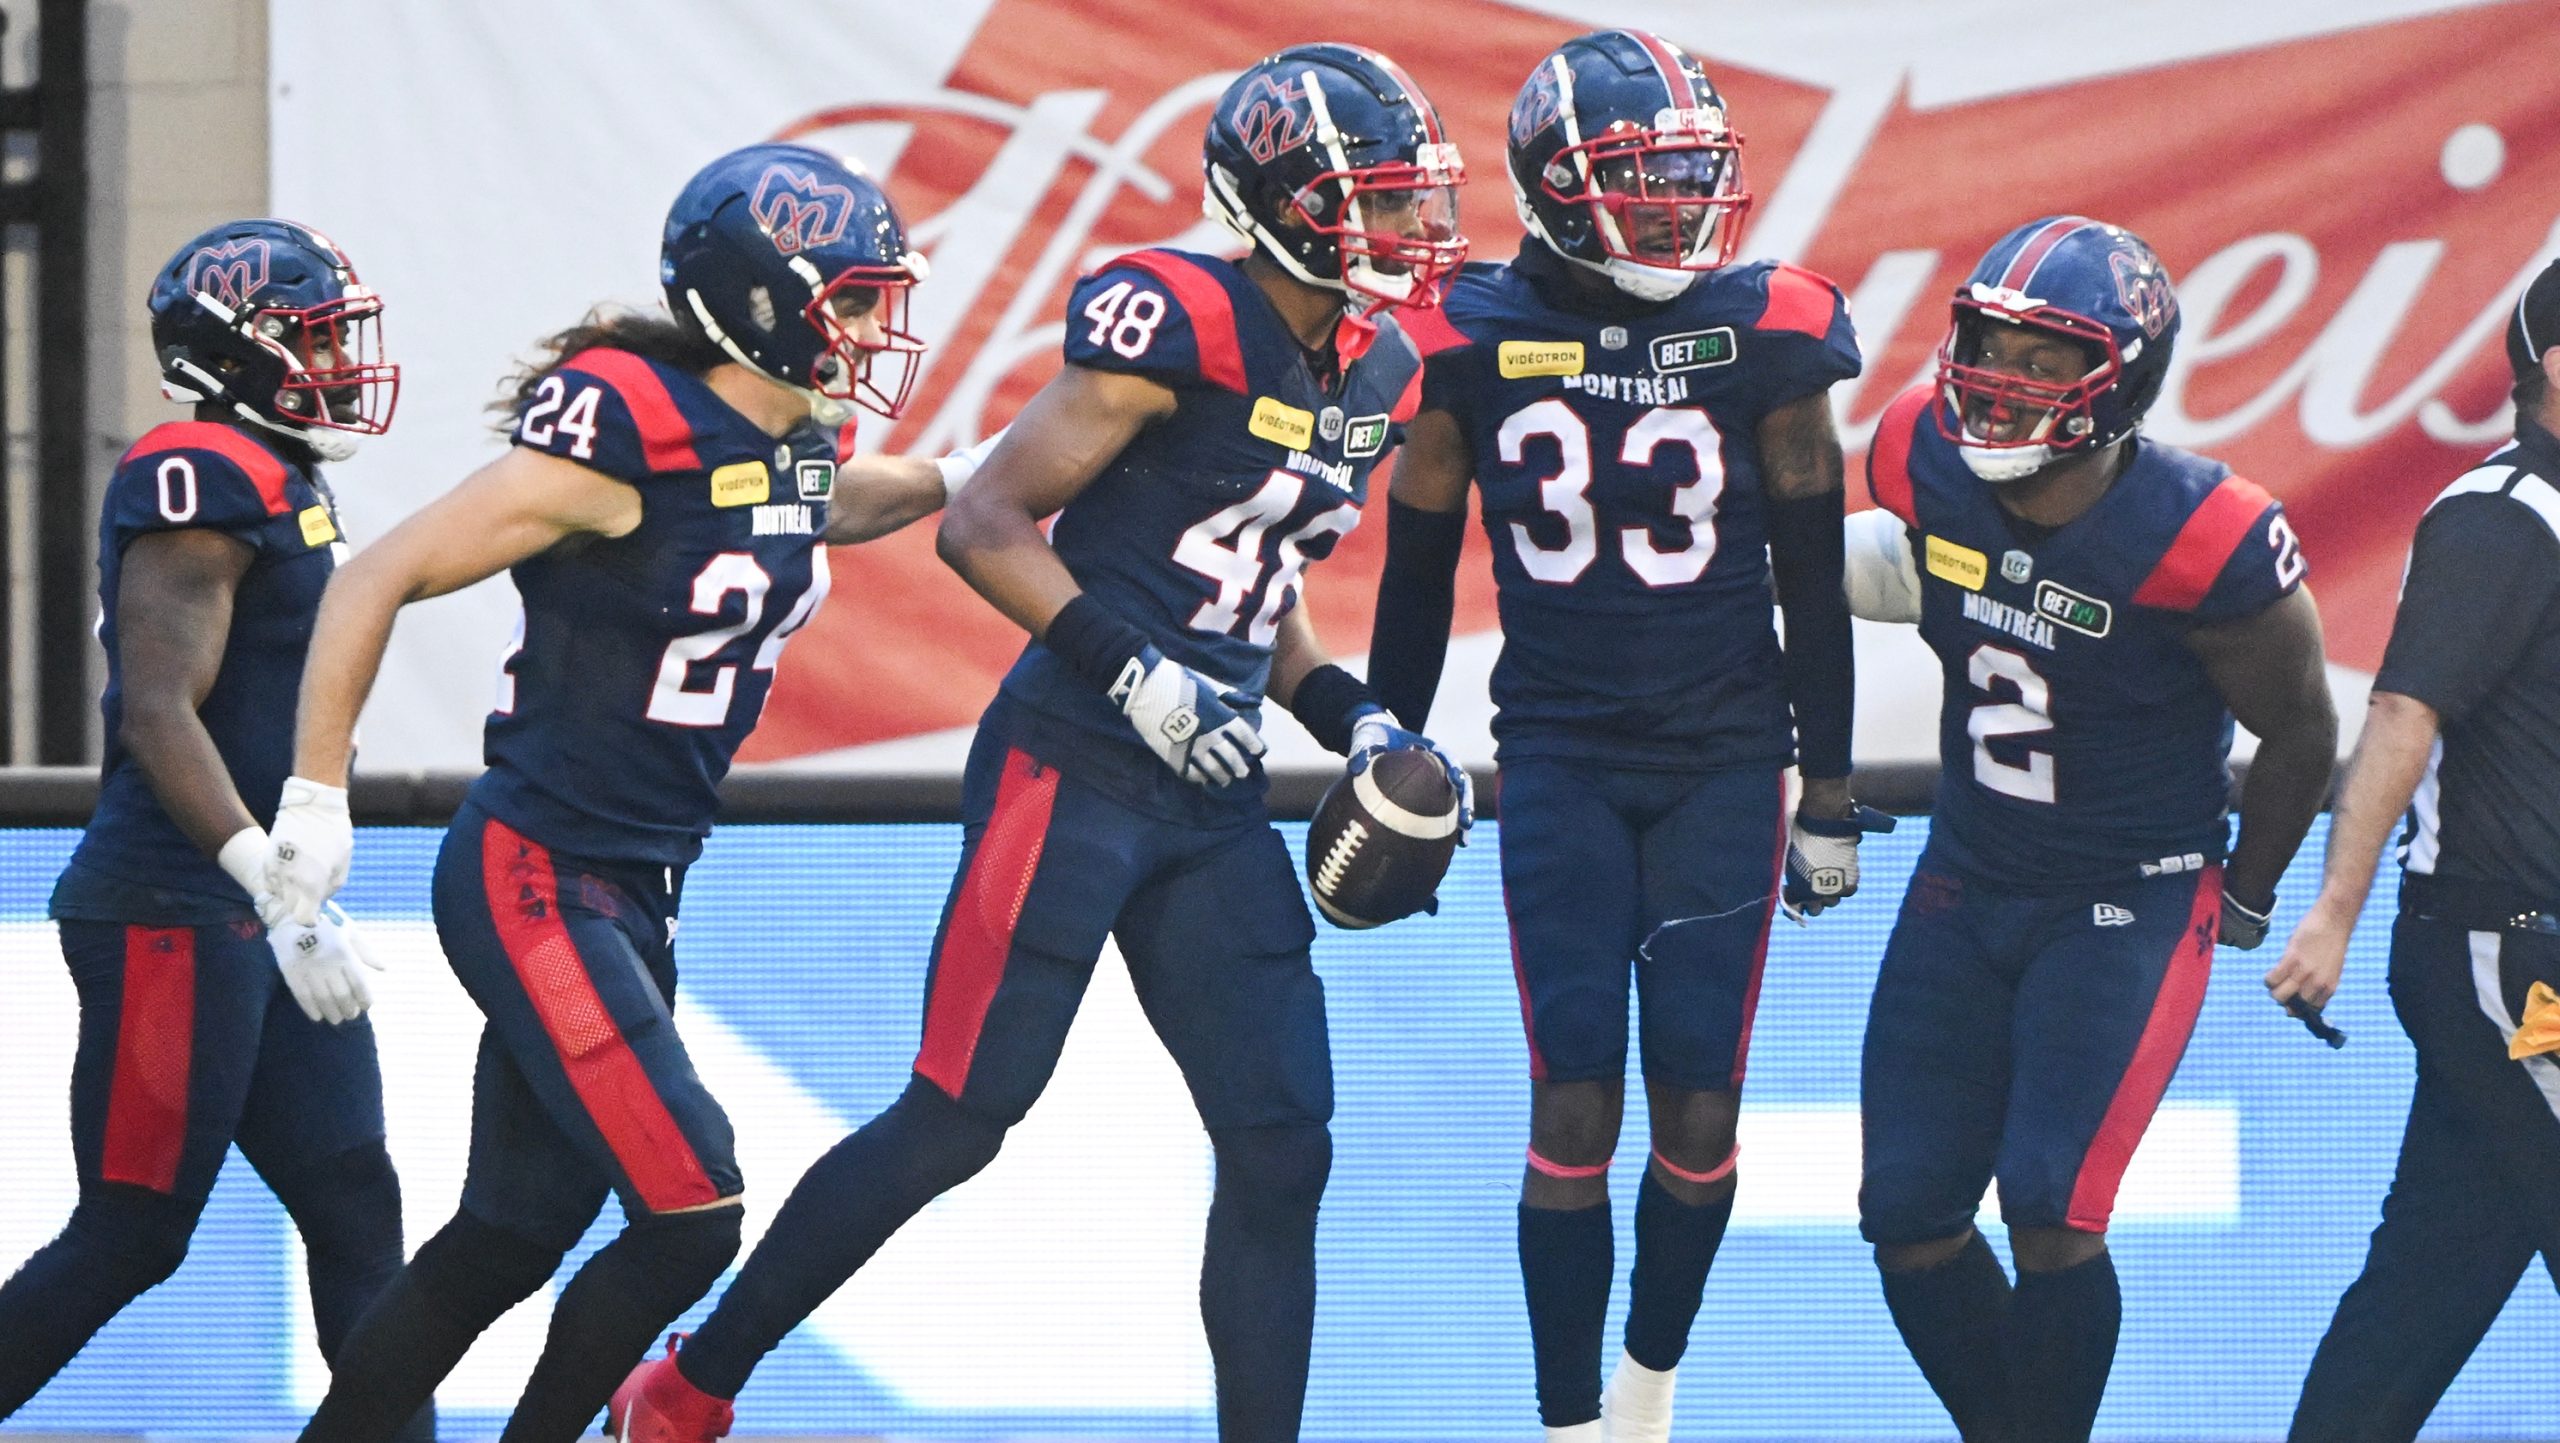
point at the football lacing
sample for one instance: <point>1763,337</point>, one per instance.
<point>1339,855</point>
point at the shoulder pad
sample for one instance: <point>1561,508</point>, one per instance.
<point>197,473</point>
<point>2225,518</point>
<point>611,411</point>
<point>1889,455</point>
<point>1160,313</point>
<point>1798,300</point>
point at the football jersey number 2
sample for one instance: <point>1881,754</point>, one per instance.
<point>2030,715</point>
<point>1567,494</point>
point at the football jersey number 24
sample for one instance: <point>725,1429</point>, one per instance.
<point>1567,494</point>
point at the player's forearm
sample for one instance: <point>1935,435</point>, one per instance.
<point>347,643</point>
<point>876,495</point>
<point>1818,668</point>
<point>2287,782</point>
<point>2390,758</point>
<point>186,771</point>
<point>1000,551</point>
<point>1417,600</point>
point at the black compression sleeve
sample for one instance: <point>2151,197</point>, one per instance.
<point>1323,703</point>
<point>1093,640</point>
<point>1805,545</point>
<point>1417,597</point>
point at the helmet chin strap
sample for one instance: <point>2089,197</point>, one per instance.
<point>824,409</point>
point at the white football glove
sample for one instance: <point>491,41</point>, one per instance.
<point>1879,573</point>
<point>319,965</point>
<point>245,858</point>
<point>962,464</point>
<point>1822,858</point>
<point>308,848</point>
<point>1182,718</point>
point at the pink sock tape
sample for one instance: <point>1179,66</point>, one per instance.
<point>1722,1170</point>
<point>1557,1169</point>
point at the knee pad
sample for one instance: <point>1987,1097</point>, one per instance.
<point>482,1269</point>
<point>688,1252</point>
<point>136,1237</point>
<point>1279,1171</point>
<point>346,1205</point>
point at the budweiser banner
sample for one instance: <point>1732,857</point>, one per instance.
<point>2348,193</point>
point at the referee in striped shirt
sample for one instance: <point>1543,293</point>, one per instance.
<point>2464,736</point>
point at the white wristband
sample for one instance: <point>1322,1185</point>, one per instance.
<point>304,792</point>
<point>962,464</point>
<point>244,857</point>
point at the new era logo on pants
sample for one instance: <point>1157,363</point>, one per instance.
<point>2108,914</point>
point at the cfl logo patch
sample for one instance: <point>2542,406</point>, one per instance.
<point>2108,914</point>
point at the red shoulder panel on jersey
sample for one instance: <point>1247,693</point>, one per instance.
<point>1889,455</point>
<point>263,468</point>
<point>1432,331</point>
<point>666,437</point>
<point>2185,572</point>
<point>1410,402</point>
<point>1213,315</point>
<point>1799,300</point>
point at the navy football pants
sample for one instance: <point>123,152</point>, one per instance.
<point>1665,878</point>
<point>189,1043</point>
<point>2026,1036</point>
<point>583,1085</point>
<point>1211,922</point>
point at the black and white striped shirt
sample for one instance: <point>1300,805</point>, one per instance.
<point>2478,639</point>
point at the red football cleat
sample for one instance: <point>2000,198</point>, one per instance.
<point>656,1405</point>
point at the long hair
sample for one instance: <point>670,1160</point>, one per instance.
<point>643,333</point>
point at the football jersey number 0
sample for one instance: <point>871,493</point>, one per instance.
<point>1567,493</point>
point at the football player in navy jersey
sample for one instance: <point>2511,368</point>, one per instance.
<point>199,1027</point>
<point>2103,606</point>
<point>1211,434</point>
<point>662,513</point>
<point>1651,430</point>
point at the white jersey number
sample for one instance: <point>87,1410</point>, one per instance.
<point>1990,668</point>
<point>1226,547</point>
<point>1567,494</point>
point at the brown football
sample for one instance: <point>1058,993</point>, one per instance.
<point>1381,841</point>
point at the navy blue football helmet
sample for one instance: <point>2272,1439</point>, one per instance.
<point>267,317</point>
<point>1622,162</point>
<point>1331,161</point>
<point>2093,284</point>
<point>795,263</point>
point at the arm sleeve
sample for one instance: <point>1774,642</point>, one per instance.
<point>187,488</point>
<point>1803,340</point>
<point>1806,540</point>
<point>2483,573</point>
<point>1417,598</point>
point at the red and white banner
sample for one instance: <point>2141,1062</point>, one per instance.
<point>2348,193</point>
